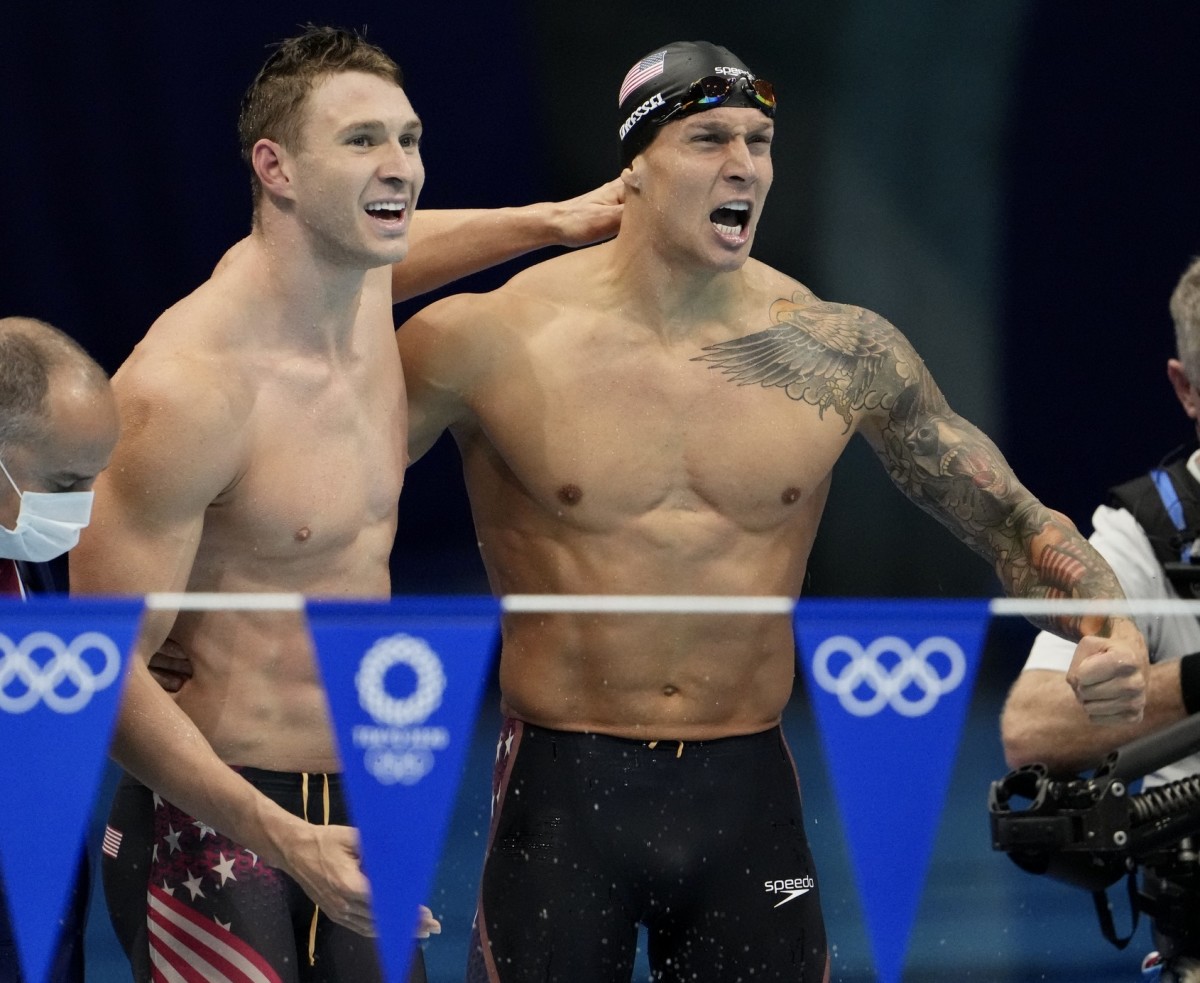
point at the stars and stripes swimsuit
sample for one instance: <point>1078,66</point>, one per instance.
<point>189,904</point>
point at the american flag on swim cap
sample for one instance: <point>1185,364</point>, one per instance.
<point>643,71</point>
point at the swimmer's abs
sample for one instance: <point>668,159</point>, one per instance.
<point>263,725</point>
<point>647,706</point>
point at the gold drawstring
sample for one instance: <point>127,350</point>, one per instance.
<point>678,751</point>
<point>312,928</point>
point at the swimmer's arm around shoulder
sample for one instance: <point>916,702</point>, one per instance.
<point>448,244</point>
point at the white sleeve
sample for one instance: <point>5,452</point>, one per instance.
<point>1120,540</point>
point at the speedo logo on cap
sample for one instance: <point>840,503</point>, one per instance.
<point>654,102</point>
<point>727,70</point>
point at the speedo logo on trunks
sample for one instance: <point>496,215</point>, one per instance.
<point>791,888</point>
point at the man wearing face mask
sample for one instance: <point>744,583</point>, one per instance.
<point>58,425</point>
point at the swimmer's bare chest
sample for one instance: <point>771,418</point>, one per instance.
<point>313,509</point>
<point>599,439</point>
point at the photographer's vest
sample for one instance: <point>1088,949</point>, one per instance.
<point>1166,504</point>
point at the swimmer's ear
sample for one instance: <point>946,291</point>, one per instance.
<point>270,162</point>
<point>1185,392</point>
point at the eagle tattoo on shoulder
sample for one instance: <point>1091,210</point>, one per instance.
<point>823,354</point>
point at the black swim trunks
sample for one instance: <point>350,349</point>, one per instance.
<point>185,899</point>
<point>701,842</point>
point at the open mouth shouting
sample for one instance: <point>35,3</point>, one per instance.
<point>732,221</point>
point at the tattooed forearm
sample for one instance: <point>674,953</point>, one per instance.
<point>952,470</point>
<point>1048,558</point>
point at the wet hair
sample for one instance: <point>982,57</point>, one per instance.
<point>31,352</point>
<point>653,87</point>
<point>273,106</point>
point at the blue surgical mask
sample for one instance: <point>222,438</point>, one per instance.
<point>48,523</point>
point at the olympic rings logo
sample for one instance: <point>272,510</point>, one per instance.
<point>66,683</point>
<point>396,651</point>
<point>889,682</point>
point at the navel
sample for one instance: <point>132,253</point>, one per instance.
<point>570,494</point>
<point>790,495</point>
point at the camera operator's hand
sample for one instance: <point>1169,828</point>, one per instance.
<point>1109,674</point>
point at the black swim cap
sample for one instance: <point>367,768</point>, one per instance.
<point>659,84</point>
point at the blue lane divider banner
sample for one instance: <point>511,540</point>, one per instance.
<point>62,665</point>
<point>890,683</point>
<point>404,680</point>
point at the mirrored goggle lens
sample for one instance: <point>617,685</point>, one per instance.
<point>764,94</point>
<point>710,89</point>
